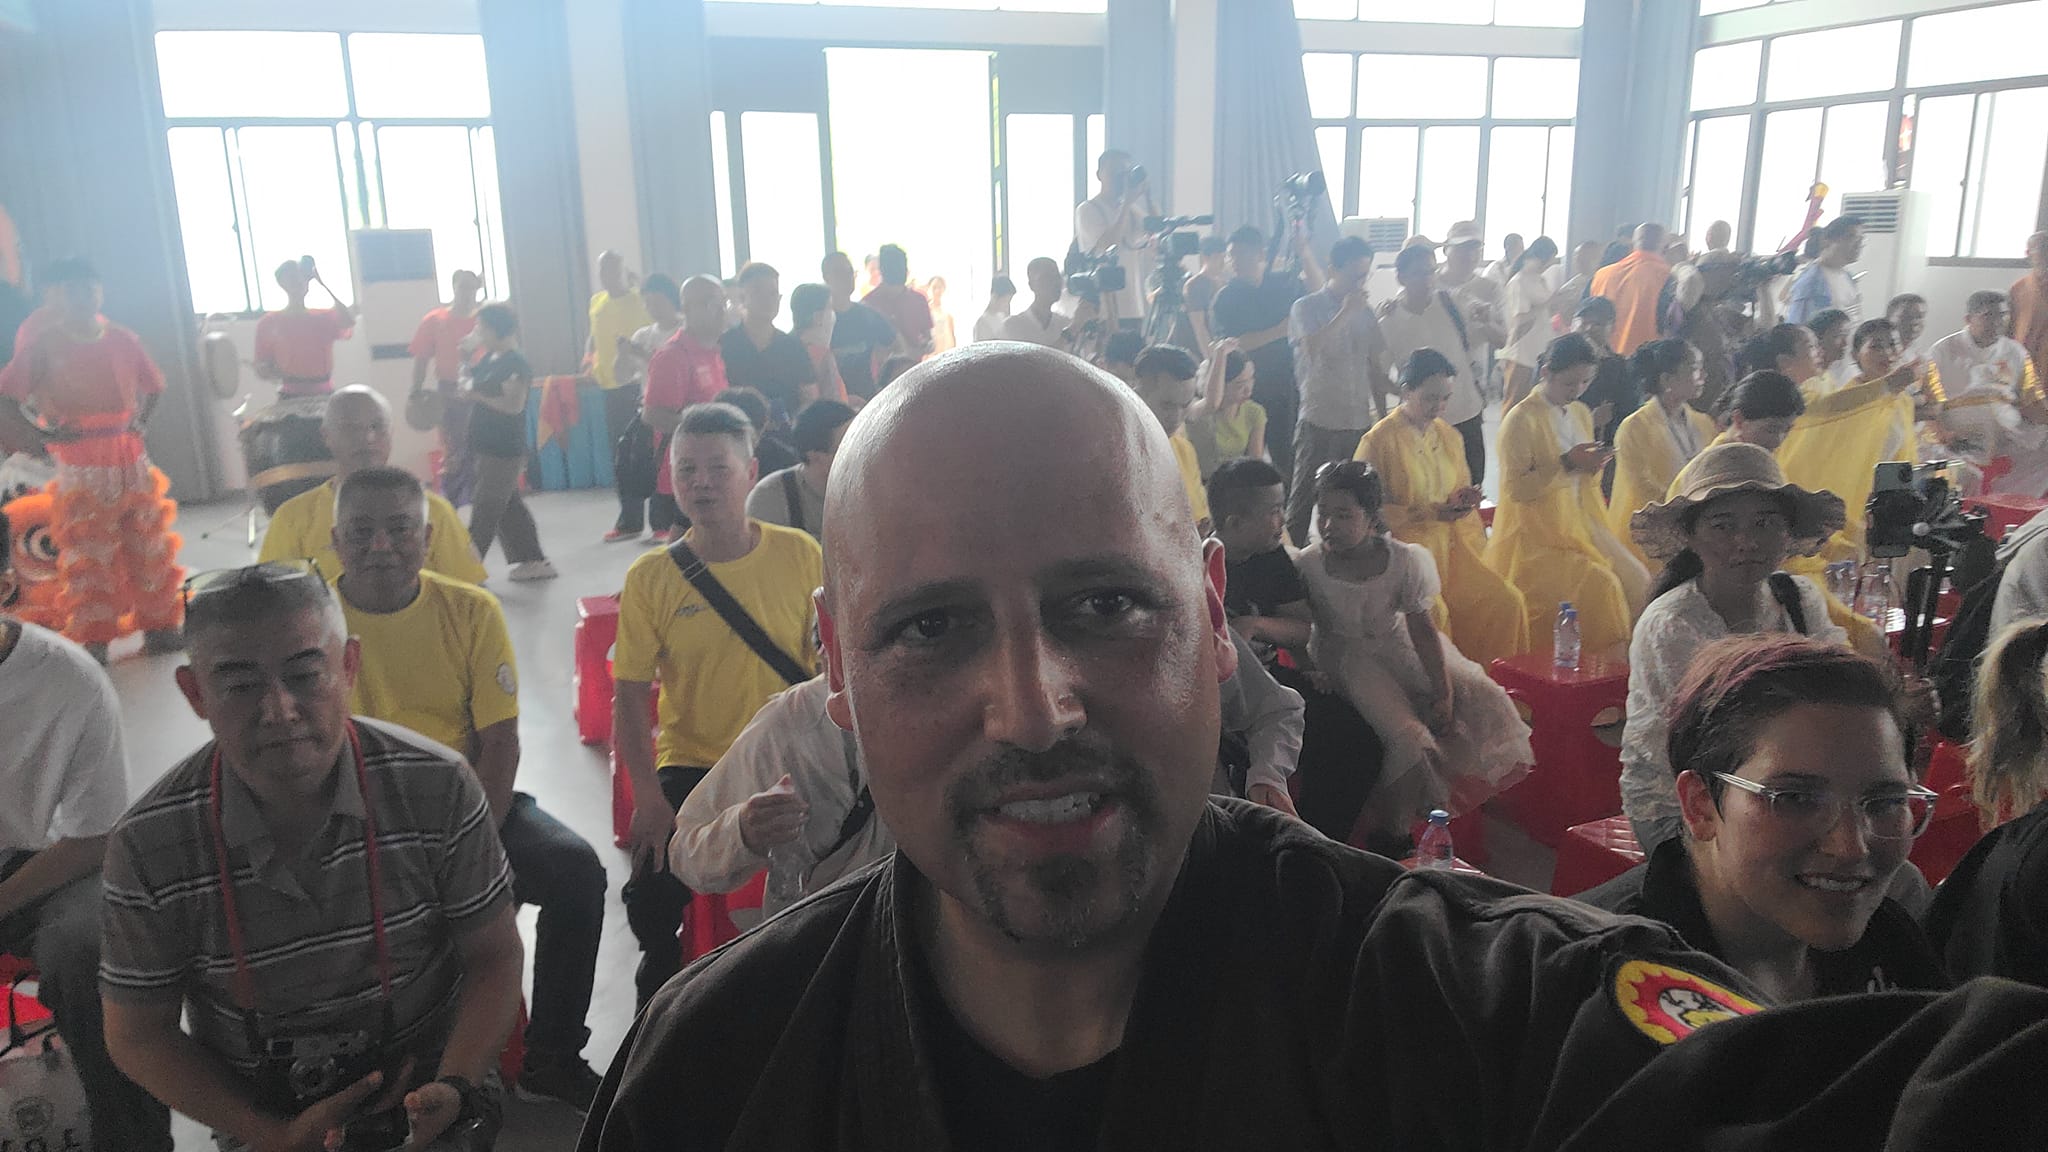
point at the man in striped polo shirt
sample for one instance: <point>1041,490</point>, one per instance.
<point>325,895</point>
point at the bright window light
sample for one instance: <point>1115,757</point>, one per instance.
<point>1396,87</point>
<point>1557,200</point>
<point>784,195</point>
<point>721,180</point>
<point>1834,62</point>
<point>206,219</point>
<point>1785,176</point>
<point>1514,192</point>
<point>1386,164</point>
<point>1440,12</point>
<point>1039,165</point>
<point>1336,172</point>
<point>1720,149</point>
<point>2009,195</point>
<point>1326,9</point>
<point>1941,159</point>
<point>1852,156</point>
<point>412,75</point>
<point>1724,76</point>
<point>293,189</point>
<point>1450,178</point>
<point>220,74</point>
<point>1535,88</point>
<point>1328,75</point>
<point>1540,13</point>
<point>1996,43</point>
<point>428,184</point>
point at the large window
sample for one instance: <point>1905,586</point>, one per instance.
<point>1438,139</point>
<point>1520,13</point>
<point>967,5</point>
<point>1952,103</point>
<point>281,142</point>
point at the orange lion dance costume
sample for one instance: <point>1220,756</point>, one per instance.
<point>110,518</point>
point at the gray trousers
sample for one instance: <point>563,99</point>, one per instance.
<point>1314,447</point>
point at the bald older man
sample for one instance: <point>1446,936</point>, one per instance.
<point>357,428</point>
<point>1634,283</point>
<point>1074,946</point>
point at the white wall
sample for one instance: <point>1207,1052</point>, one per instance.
<point>604,139</point>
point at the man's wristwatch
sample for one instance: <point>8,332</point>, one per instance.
<point>470,1096</point>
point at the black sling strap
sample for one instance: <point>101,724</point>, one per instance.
<point>1786,590</point>
<point>792,494</point>
<point>863,808</point>
<point>699,575</point>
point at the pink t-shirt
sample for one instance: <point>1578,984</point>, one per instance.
<point>682,372</point>
<point>301,344</point>
<point>440,335</point>
<point>70,379</point>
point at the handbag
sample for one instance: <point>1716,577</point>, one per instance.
<point>42,1102</point>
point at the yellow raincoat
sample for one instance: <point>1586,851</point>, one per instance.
<point>1483,614</point>
<point>1550,536</point>
<point>1647,460</point>
<point>1835,448</point>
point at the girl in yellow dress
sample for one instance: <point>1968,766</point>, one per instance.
<point>1660,438</point>
<point>1430,501</point>
<point>1550,536</point>
<point>1846,434</point>
<point>1761,409</point>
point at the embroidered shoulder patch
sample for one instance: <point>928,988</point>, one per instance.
<point>507,682</point>
<point>1668,1004</point>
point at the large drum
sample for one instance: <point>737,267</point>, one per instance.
<point>283,452</point>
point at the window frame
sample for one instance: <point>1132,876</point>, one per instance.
<point>360,209</point>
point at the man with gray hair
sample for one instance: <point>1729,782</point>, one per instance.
<point>322,896</point>
<point>721,619</point>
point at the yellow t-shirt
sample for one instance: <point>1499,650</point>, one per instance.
<point>1191,474</point>
<point>610,318</point>
<point>304,526</point>
<point>711,682</point>
<point>441,666</point>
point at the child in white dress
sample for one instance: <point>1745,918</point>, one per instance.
<point>1452,736</point>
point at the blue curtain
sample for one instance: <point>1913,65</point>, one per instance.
<point>1263,130</point>
<point>668,98</point>
<point>85,170</point>
<point>1138,88</point>
<point>526,49</point>
<point>1635,95</point>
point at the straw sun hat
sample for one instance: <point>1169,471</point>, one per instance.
<point>1729,468</point>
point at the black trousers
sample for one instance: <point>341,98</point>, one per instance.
<point>655,900</point>
<point>1474,433</point>
<point>558,871</point>
<point>1340,759</point>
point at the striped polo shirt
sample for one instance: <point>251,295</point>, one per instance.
<point>306,921</point>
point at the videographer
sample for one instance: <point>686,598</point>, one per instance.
<point>1253,309</point>
<point>327,897</point>
<point>1115,218</point>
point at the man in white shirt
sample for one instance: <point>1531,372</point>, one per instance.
<point>1041,323</point>
<point>64,772</point>
<point>1511,247</point>
<point>1994,405</point>
<point>1482,301</point>
<point>1341,360</point>
<point>1424,316</point>
<point>1002,293</point>
<point>1115,218</point>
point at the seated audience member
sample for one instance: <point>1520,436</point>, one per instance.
<point>1833,329</point>
<point>1200,290</point>
<point>791,775</point>
<point>1550,536</point>
<point>1661,437</point>
<point>1002,296</point>
<point>1452,735</point>
<point>1225,423</point>
<point>1119,355</point>
<point>61,755</point>
<point>795,497</point>
<point>1166,383</point>
<point>1846,434</point>
<point>1730,521</point>
<point>1799,809</point>
<point>1994,405</point>
<point>759,355</point>
<point>435,657</point>
<point>811,316</point>
<point>1267,605</point>
<point>1761,409</point>
<point>773,451</point>
<point>1791,350</point>
<point>322,896</point>
<point>357,429</point>
<point>1423,315</point>
<point>1612,395</point>
<point>1990,917</point>
<point>1432,502</point>
<point>1262,722</point>
<point>1070,912</point>
<point>718,655</point>
<point>1038,323</point>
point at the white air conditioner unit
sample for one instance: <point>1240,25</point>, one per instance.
<point>1894,244</point>
<point>1386,234</point>
<point>396,284</point>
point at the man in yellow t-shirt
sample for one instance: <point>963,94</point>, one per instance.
<point>1166,383</point>
<point>617,311</point>
<point>436,658</point>
<point>712,682</point>
<point>357,428</point>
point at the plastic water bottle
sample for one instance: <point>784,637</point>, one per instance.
<point>1434,849</point>
<point>1564,641</point>
<point>789,865</point>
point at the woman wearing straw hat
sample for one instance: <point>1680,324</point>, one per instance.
<point>1722,536</point>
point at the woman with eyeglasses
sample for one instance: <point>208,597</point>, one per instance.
<point>1990,917</point>
<point>1791,762</point>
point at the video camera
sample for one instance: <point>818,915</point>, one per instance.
<point>1914,507</point>
<point>1754,272</point>
<point>1303,189</point>
<point>1089,276</point>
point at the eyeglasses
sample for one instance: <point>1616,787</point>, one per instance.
<point>1902,815</point>
<point>200,585</point>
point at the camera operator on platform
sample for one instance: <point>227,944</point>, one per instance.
<point>1115,218</point>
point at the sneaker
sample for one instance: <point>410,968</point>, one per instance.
<point>533,570</point>
<point>565,1080</point>
<point>162,641</point>
<point>618,534</point>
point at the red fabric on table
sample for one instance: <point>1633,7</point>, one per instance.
<point>560,409</point>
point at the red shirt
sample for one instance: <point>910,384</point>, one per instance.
<point>440,335</point>
<point>301,345</point>
<point>69,379</point>
<point>682,372</point>
<point>906,309</point>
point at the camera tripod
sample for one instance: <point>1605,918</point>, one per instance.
<point>1166,319</point>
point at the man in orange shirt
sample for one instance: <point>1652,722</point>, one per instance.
<point>1634,283</point>
<point>439,344</point>
<point>2029,296</point>
<point>92,387</point>
<point>295,347</point>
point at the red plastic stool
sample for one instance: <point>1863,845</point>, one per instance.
<point>513,1058</point>
<point>1577,775</point>
<point>597,629</point>
<point>1956,827</point>
<point>1591,854</point>
<point>707,922</point>
<point>26,1009</point>
<point>2003,513</point>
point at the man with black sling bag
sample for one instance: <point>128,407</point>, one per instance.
<point>722,620</point>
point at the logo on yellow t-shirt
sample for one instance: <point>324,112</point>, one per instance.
<point>507,682</point>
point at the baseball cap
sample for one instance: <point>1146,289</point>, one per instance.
<point>1464,232</point>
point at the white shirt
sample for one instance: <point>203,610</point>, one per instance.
<point>988,326</point>
<point>1406,331</point>
<point>1024,326</point>
<point>1672,630</point>
<point>1843,293</point>
<point>62,764</point>
<point>1096,226</point>
<point>1528,293</point>
<point>1967,366</point>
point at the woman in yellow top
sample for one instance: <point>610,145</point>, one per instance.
<point>1845,435</point>
<point>1550,535</point>
<point>1761,409</point>
<point>1430,502</point>
<point>1225,423</point>
<point>1660,438</point>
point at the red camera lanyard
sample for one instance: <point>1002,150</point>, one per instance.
<point>245,984</point>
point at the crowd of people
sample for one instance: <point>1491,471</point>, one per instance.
<point>996,694</point>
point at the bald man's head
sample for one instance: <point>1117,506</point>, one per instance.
<point>357,429</point>
<point>1023,629</point>
<point>1649,237</point>
<point>704,307</point>
<point>611,272</point>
